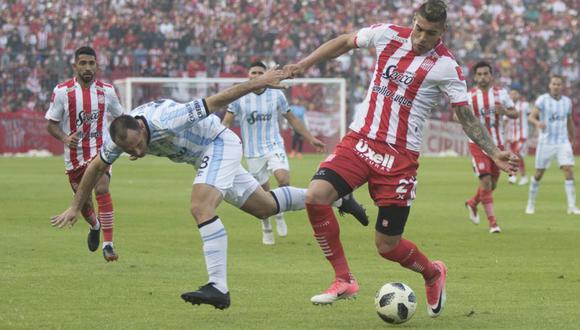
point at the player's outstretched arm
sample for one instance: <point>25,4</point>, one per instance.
<point>328,50</point>
<point>270,79</point>
<point>94,171</point>
<point>505,160</point>
<point>300,128</point>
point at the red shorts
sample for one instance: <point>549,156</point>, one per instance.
<point>389,170</point>
<point>518,147</point>
<point>75,176</point>
<point>482,163</point>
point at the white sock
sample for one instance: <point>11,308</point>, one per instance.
<point>106,243</point>
<point>280,217</point>
<point>534,186</point>
<point>215,249</point>
<point>289,198</point>
<point>97,225</point>
<point>266,225</point>
<point>570,193</point>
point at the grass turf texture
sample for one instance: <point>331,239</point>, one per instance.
<point>527,277</point>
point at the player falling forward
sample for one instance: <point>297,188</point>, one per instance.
<point>77,116</point>
<point>552,116</point>
<point>169,129</point>
<point>258,113</point>
<point>490,104</point>
<point>517,134</point>
<point>413,69</point>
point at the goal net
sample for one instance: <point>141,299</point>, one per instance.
<point>324,100</point>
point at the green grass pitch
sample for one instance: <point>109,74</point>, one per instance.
<point>527,277</point>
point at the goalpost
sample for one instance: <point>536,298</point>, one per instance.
<point>323,98</point>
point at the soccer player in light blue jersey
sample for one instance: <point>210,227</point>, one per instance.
<point>259,113</point>
<point>187,133</point>
<point>552,116</point>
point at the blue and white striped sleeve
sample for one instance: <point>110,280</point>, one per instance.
<point>540,102</point>
<point>283,106</point>
<point>234,107</point>
<point>110,152</point>
<point>181,116</point>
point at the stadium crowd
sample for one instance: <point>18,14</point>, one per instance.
<point>525,39</point>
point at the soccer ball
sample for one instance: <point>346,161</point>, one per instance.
<point>395,303</point>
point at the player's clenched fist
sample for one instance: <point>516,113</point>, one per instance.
<point>294,70</point>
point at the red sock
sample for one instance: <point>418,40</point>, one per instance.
<point>327,234</point>
<point>522,167</point>
<point>408,255</point>
<point>487,201</point>
<point>475,199</point>
<point>106,216</point>
<point>89,215</point>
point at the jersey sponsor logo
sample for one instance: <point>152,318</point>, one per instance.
<point>393,74</point>
<point>194,112</point>
<point>556,117</point>
<point>383,90</point>
<point>255,116</point>
<point>82,117</point>
<point>383,162</point>
<point>400,39</point>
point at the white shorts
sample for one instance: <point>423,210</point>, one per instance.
<point>546,152</point>
<point>263,167</point>
<point>220,168</point>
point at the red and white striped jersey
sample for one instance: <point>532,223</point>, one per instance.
<point>517,128</point>
<point>405,86</point>
<point>77,108</point>
<point>484,105</point>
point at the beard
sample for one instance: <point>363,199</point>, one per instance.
<point>87,78</point>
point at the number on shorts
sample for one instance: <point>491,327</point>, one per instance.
<point>204,162</point>
<point>404,186</point>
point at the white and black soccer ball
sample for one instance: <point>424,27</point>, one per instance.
<point>395,303</point>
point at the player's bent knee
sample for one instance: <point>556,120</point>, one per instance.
<point>201,211</point>
<point>316,195</point>
<point>386,244</point>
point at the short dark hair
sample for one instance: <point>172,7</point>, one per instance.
<point>257,63</point>
<point>85,50</point>
<point>434,11</point>
<point>120,125</point>
<point>557,76</point>
<point>482,64</point>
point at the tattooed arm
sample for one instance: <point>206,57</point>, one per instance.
<point>478,134</point>
<point>474,129</point>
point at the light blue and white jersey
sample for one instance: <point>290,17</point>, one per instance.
<point>258,115</point>
<point>175,131</point>
<point>554,113</point>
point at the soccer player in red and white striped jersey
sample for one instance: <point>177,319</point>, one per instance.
<point>413,69</point>
<point>77,116</point>
<point>517,133</point>
<point>490,104</point>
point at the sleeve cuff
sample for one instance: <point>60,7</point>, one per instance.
<point>103,159</point>
<point>205,107</point>
<point>458,104</point>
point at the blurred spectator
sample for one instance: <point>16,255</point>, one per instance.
<point>526,39</point>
